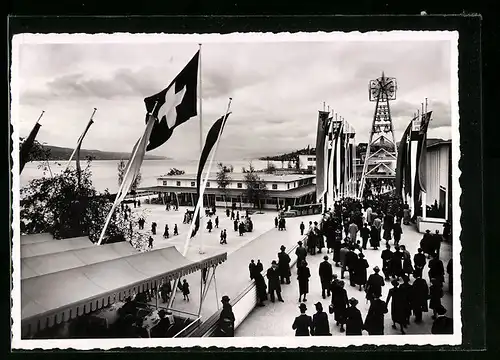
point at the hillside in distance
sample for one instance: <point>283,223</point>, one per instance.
<point>62,153</point>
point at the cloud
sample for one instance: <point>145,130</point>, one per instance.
<point>277,90</point>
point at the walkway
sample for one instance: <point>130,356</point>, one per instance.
<point>276,319</point>
<point>232,276</point>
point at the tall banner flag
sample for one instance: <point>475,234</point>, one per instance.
<point>79,145</point>
<point>28,145</point>
<point>342,159</point>
<point>213,137</point>
<point>173,106</point>
<point>176,104</point>
<point>422,153</point>
<point>402,161</point>
<point>320,154</point>
<point>337,128</point>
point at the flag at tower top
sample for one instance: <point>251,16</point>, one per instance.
<point>175,105</point>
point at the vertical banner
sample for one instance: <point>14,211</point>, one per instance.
<point>320,154</point>
<point>342,162</point>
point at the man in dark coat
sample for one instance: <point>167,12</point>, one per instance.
<point>374,285</point>
<point>437,238</point>
<point>226,319</point>
<point>284,265</point>
<point>320,325</point>
<point>259,267</point>
<point>276,221</point>
<point>443,325</point>
<point>344,250</point>
<point>426,243</point>
<point>325,276</point>
<point>261,288</point>
<point>365,235</point>
<point>397,263</point>
<point>436,269</point>
<point>251,269</point>
<point>351,259</point>
<point>419,260</point>
<point>235,224</point>
<point>337,245</point>
<point>274,282</point>
<point>302,323</point>
<point>360,275</point>
<point>302,228</point>
<point>354,321</point>
<point>419,297</point>
<point>301,253</point>
<point>374,322</point>
<point>398,314</point>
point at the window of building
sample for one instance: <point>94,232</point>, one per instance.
<point>310,159</point>
<point>310,167</point>
<point>275,186</point>
<point>193,183</point>
<point>288,186</point>
<point>219,198</point>
<point>239,185</point>
<point>178,183</point>
<point>271,201</point>
<point>208,183</point>
<point>165,182</point>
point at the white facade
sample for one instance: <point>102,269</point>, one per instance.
<point>307,162</point>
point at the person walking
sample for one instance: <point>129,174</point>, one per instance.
<point>435,295</point>
<point>436,269</point>
<point>222,239</point>
<point>176,230</point>
<point>353,232</point>
<point>398,315</point>
<point>397,231</point>
<point>351,258</point>
<point>216,222</point>
<point>353,319</point>
<point>260,285</point>
<point>406,293</point>
<point>365,235</point>
<point>419,260</point>
<point>150,242</point>
<point>251,267</point>
<point>209,225</point>
<point>442,325</point>
<point>259,267</point>
<point>396,264</point>
<point>360,275</point>
<point>185,289</point>
<point>419,297</point>
<point>241,228</point>
<point>374,285</point>
<point>226,319</point>
<point>165,233</point>
<point>339,305</point>
<point>320,324</point>
<point>325,276</point>
<point>274,282</point>
<point>284,265</point>
<point>301,253</point>
<point>344,250</point>
<point>302,323</point>
<point>276,221</point>
<point>302,228</point>
<point>303,275</point>
<point>374,322</point>
<point>374,237</point>
<point>153,228</point>
<point>235,224</point>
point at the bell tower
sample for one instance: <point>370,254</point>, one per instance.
<point>381,151</point>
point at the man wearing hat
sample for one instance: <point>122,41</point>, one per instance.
<point>374,322</point>
<point>419,297</point>
<point>284,265</point>
<point>274,281</point>
<point>320,325</point>
<point>302,323</point>
<point>374,285</point>
<point>301,253</point>
<point>325,275</point>
<point>353,319</point>
<point>226,319</point>
<point>443,325</point>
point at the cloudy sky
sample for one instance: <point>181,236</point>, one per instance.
<point>277,89</point>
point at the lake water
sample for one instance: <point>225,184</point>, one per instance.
<point>105,172</point>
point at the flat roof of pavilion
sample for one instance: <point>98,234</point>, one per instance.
<point>241,177</point>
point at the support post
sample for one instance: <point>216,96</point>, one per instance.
<point>202,285</point>
<point>424,205</point>
<point>216,294</point>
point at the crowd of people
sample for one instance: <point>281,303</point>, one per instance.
<point>350,228</point>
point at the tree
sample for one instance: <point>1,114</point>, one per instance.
<point>256,187</point>
<point>39,153</point>
<point>59,206</point>
<point>122,166</point>
<point>223,179</point>
<point>271,168</point>
<point>175,171</point>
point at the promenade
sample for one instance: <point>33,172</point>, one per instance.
<point>232,276</point>
<point>276,319</point>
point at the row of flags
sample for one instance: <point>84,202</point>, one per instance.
<point>166,110</point>
<point>406,160</point>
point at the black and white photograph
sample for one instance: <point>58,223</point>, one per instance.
<point>235,190</point>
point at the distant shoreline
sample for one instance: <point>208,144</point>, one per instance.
<point>63,154</point>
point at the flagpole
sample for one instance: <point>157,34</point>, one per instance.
<point>74,151</point>
<point>40,117</point>
<point>120,189</point>
<point>200,100</point>
<point>198,207</point>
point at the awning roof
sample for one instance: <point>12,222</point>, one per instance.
<point>36,238</point>
<point>54,246</point>
<point>60,296</point>
<point>65,260</point>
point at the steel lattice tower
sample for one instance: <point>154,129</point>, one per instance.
<point>381,151</point>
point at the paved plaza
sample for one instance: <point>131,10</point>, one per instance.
<point>232,276</point>
<point>276,319</point>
